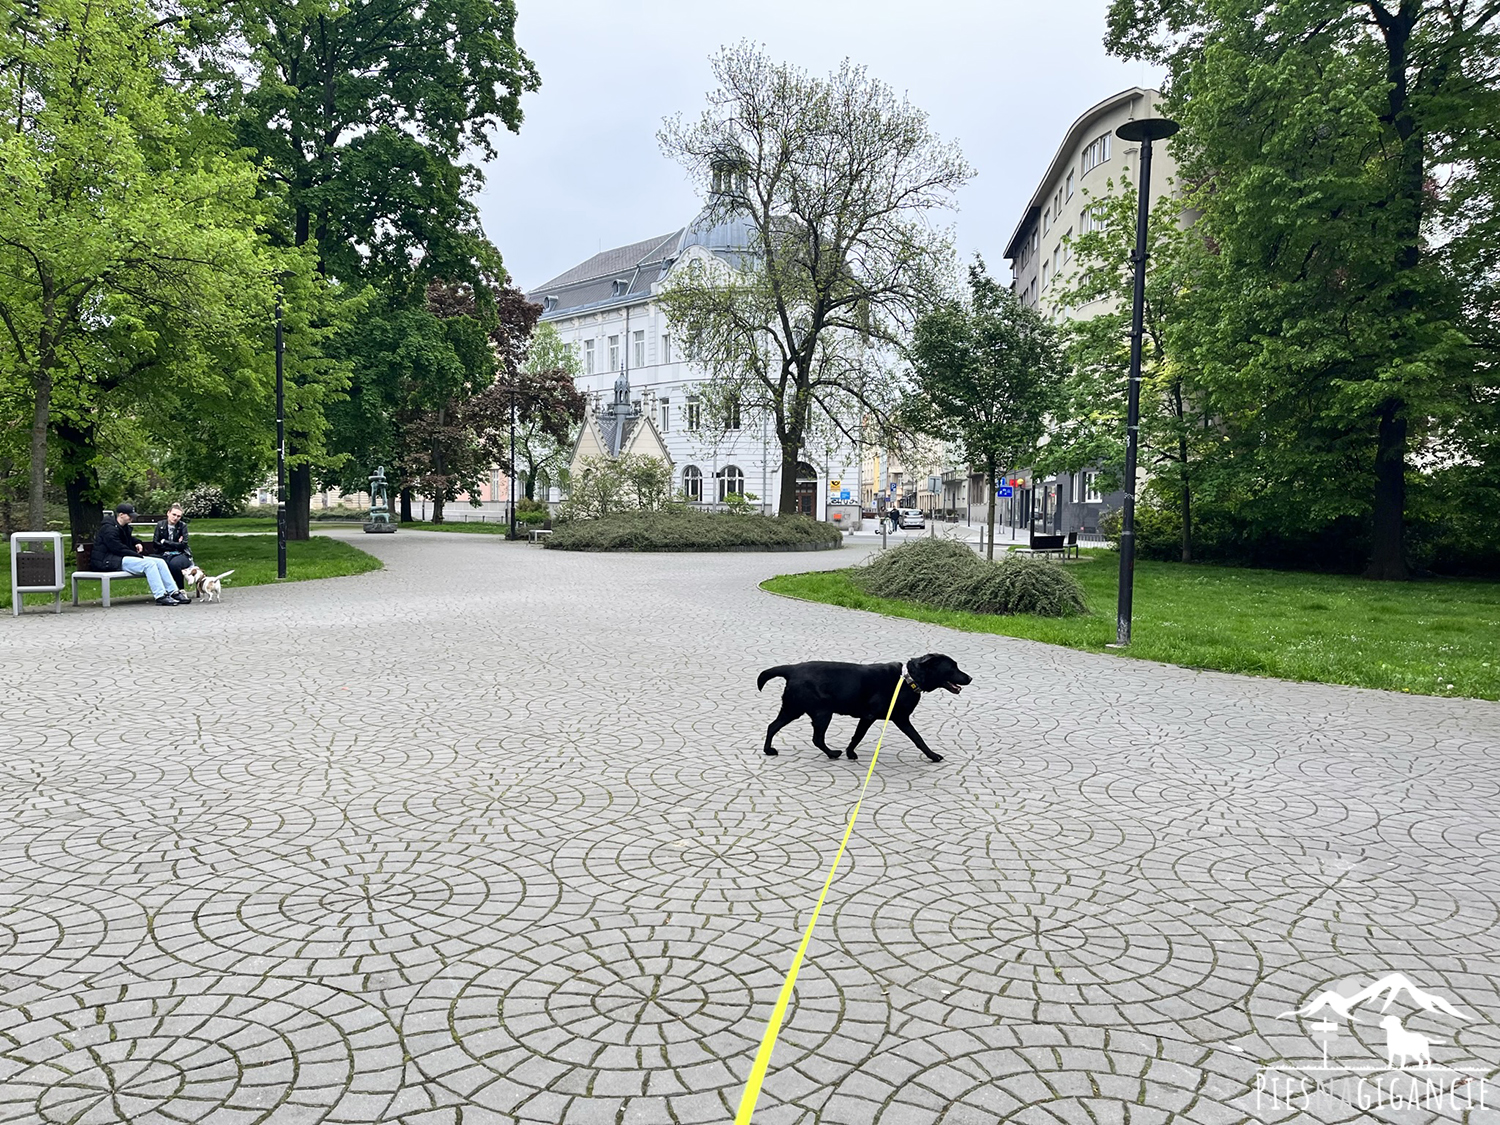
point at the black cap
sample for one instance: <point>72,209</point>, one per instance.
<point>127,509</point>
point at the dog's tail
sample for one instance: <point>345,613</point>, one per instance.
<point>770,674</point>
<point>221,577</point>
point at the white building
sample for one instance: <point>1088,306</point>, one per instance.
<point>608,309</point>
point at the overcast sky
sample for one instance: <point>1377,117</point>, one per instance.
<point>1004,78</point>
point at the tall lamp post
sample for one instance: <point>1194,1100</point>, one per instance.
<point>512,474</point>
<point>280,445</point>
<point>1143,132</point>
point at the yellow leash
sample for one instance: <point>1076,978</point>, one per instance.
<point>773,1028</point>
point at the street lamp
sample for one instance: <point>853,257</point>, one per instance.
<point>512,474</point>
<point>1143,132</point>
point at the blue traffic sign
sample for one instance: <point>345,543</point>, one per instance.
<point>843,494</point>
<point>1005,491</point>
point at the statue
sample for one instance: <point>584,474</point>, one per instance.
<point>379,520</point>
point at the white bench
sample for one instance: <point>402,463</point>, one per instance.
<point>104,578</point>
<point>537,534</point>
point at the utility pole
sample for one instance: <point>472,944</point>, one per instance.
<point>280,443</point>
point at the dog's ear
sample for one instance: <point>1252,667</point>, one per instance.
<point>921,669</point>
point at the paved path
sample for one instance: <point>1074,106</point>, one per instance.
<point>487,837</point>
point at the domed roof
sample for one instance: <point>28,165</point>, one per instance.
<point>719,233</point>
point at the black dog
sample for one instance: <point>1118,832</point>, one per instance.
<point>825,688</point>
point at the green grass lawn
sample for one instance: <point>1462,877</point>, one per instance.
<point>247,525</point>
<point>251,557</point>
<point>1434,637</point>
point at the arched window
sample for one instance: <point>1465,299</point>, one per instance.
<point>692,483</point>
<point>731,480</point>
<point>543,485</point>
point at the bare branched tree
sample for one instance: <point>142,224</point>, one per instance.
<point>835,182</point>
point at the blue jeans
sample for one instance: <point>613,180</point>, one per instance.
<point>158,577</point>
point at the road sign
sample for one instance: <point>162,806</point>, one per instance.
<point>843,494</point>
<point>833,484</point>
<point>893,490</point>
<point>1005,491</point>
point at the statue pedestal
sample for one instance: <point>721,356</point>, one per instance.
<point>380,527</point>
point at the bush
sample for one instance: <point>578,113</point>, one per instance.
<point>207,502</point>
<point>530,516</point>
<point>949,575</point>
<point>679,529</point>
<point>605,486</point>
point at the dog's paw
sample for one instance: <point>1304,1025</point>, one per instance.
<point>772,752</point>
<point>834,754</point>
<point>851,755</point>
<point>934,757</point>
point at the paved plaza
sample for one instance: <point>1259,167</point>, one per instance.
<point>487,837</point>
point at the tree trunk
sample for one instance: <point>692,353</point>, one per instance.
<point>36,507</point>
<point>1387,547</point>
<point>437,508</point>
<point>989,514</point>
<point>786,504</point>
<point>299,502</point>
<point>406,505</point>
<point>81,480</point>
<point>1187,523</point>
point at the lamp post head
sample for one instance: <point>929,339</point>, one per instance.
<point>1147,129</point>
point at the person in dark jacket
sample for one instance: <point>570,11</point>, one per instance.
<point>116,549</point>
<point>172,542</point>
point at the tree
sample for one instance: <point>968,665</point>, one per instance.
<point>1336,153</point>
<point>986,376</point>
<point>555,407</point>
<point>363,114</point>
<point>122,223</point>
<point>1176,422</point>
<point>833,181</point>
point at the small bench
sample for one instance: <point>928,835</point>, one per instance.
<point>1051,545</point>
<point>537,534</point>
<point>84,553</point>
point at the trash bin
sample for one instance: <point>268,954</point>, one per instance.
<point>36,567</point>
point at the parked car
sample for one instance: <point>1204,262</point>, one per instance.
<point>912,519</point>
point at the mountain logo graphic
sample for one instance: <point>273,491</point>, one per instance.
<point>1390,987</point>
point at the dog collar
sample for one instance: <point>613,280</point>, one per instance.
<point>911,683</point>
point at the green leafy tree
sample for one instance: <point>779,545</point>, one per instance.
<point>555,407</point>
<point>123,225</point>
<point>986,373</point>
<point>364,115</point>
<point>834,182</point>
<point>1339,155</point>
<point>1177,430</point>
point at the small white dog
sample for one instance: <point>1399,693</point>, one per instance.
<point>192,578</point>
<point>213,588</point>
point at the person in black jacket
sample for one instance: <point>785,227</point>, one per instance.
<point>116,549</point>
<point>172,542</point>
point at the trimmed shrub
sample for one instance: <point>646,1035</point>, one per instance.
<point>680,529</point>
<point>207,502</point>
<point>949,575</point>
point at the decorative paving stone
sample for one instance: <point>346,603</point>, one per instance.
<point>500,845</point>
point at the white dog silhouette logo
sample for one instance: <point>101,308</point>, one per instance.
<point>1408,1078</point>
<point>1408,1046</point>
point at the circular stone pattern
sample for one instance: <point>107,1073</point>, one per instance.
<point>375,920</point>
<point>649,1018</point>
<point>1038,1075</point>
<point>703,864</point>
<point>64,934</point>
<point>1044,949</point>
<point>221,1050</point>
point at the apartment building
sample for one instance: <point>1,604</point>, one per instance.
<point>1088,160</point>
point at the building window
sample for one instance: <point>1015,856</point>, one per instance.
<point>614,353</point>
<point>1091,488</point>
<point>692,483</point>
<point>588,357</point>
<point>638,351</point>
<point>1096,153</point>
<point>732,416</point>
<point>1056,258</point>
<point>666,415</point>
<point>1091,218</point>
<point>1067,246</point>
<point>1070,183</point>
<point>666,348</point>
<point>731,480</point>
<point>694,414</point>
<point>1046,219</point>
<point>1033,291</point>
<point>1044,276</point>
<point>1057,202</point>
